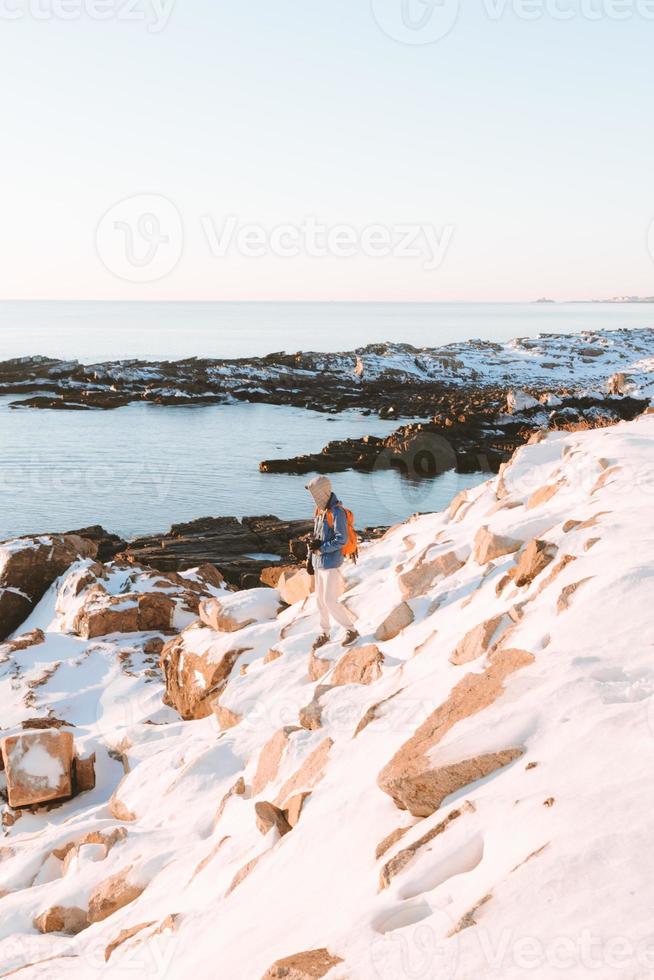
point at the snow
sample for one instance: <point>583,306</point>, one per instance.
<point>553,853</point>
<point>36,765</point>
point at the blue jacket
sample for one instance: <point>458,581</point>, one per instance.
<point>333,536</point>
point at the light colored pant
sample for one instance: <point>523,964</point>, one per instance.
<point>329,586</point>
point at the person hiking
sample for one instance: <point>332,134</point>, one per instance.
<point>333,538</point>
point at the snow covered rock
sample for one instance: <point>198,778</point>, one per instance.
<point>113,894</point>
<point>268,816</point>
<point>102,614</point>
<point>196,665</point>
<point>28,567</point>
<point>397,620</point>
<point>38,766</point>
<point>360,665</point>
<point>295,584</point>
<point>520,401</point>
<point>313,964</point>
<point>489,546</point>
<point>533,560</point>
<point>270,758</point>
<point>69,921</point>
<point>240,609</point>
<point>417,580</point>
<point>478,640</point>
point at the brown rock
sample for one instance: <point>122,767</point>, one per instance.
<point>131,613</point>
<point>372,712</point>
<point>117,808</point>
<point>294,807</point>
<point>84,774</point>
<point>400,860</point>
<point>30,567</point>
<point>311,715</point>
<point>272,655</point>
<point>238,789</point>
<point>388,841</point>
<point>269,816</point>
<point>536,556</point>
<point>412,778</point>
<point>477,640</point>
<point>295,584</point>
<point>308,775</point>
<point>31,639</point>
<point>567,593</point>
<point>544,494</point>
<point>194,680</point>
<point>123,936</point>
<point>401,617</point>
<point>243,873</point>
<point>38,766</point>
<point>317,666</point>
<point>422,576</point>
<point>270,758</point>
<point>112,894</point>
<point>303,966</point>
<point>360,665</point>
<point>489,546</point>
<point>226,719</point>
<point>70,921</point>
<point>214,614</point>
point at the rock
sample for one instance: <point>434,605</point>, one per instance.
<point>372,712</point>
<point>318,667</point>
<point>489,546</point>
<point>28,567</point>
<point>23,642</point>
<point>83,774</point>
<point>240,609</point>
<point>413,777</point>
<point>272,655</point>
<point>400,860</point>
<point>238,789</point>
<point>422,576</point>
<point>520,401</point>
<point>422,794</point>
<point>38,766</point>
<point>295,584</point>
<point>70,921</point>
<point>567,593</point>
<point>401,617</point>
<point>123,936</point>
<point>194,680</point>
<point>544,494</point>
<point>303,966</point>
<point>270,758</point>
<point>308,775</point>
<point>113,894</point>
<point>118,809</point>
<point>536,556</point>
<point>617,384</point>
<point>477,641</point>
<point>131,613</point>
<point>294,807</point>
<point>360,665</point>
<point>226,719</point>
<point>269,816</point>
<point>311,715</point>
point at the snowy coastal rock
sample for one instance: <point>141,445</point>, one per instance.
<point>520,401</point>
<point>28,567</point>
<point>38,765</point>
<point>295,584</point>
<point>239,610</point>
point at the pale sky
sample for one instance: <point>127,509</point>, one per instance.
<point>515,155</point>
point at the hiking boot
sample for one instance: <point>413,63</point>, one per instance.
<point>350,637</point>
<point>320,641</point>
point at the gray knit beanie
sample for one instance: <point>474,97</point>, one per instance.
<point>320,489</point>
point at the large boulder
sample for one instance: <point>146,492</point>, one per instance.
<point>131,613</point>
<point>240,609</point>
<point>28,567</point>
<point>489,546</point>
<point>196,667</point>
<point>361,665</point>
<point>270,758</point>
<point>413,777</point>
<point>315,963</point>
<point>39,765</point>
<point>295,584</point>
<point>397,620</point>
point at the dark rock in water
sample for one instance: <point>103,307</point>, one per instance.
<point>108,544</point>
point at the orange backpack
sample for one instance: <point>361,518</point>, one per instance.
<point>351,546</point>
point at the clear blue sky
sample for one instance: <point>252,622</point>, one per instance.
<point>531,141</point>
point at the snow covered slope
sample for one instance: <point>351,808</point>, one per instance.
<point>480,806</point>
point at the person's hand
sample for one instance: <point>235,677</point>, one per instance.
<point>315,544</point>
